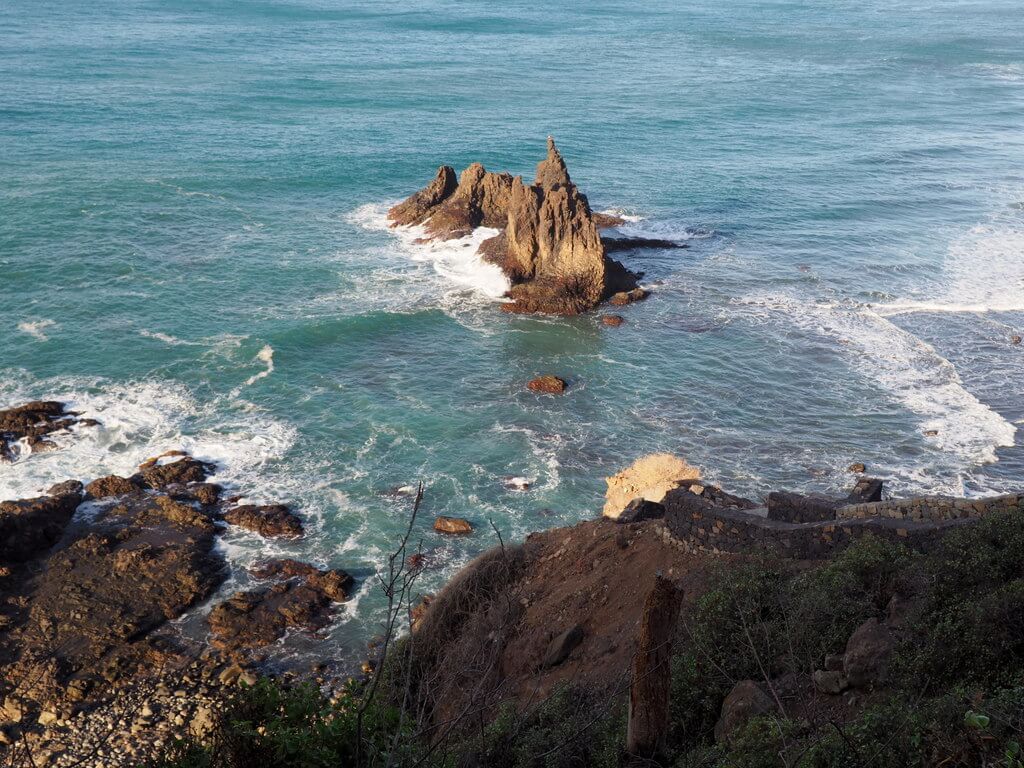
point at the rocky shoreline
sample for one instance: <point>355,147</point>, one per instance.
<point>92,578</point>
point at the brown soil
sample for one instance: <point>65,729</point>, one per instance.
<point>594,575</point>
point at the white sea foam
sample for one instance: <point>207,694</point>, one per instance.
<point>167,338</point>
<point>266,356</point>
<point>139,420</point>
<point>911,371</point>
<point>457,260</point>
<point>36,328</point>
<point>983,272</point>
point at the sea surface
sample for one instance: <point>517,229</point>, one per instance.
<point>193,250</point>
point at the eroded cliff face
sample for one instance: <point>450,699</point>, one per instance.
<point>549,244</point>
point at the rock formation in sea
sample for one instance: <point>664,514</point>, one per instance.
<point>549,246</point>
<point>31,424</point>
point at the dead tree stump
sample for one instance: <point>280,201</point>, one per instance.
<point>652,682</point>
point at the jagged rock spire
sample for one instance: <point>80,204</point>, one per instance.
<point>551,171</point>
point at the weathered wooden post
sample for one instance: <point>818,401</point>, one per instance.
<point>652,680</point>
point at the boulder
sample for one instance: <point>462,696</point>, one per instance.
<point>454,525</point>
<point>650,478</point>
<point>745,701</point>
<point>622,298</point>
<point>612,321</point>
<point>550,385</point>
<point>258,617</point>
<point>29,526</point>
<point>182,471</point>
<point>866,661</point>
<point>1015,339</point>
<point>110,486</point>
<point>334,583</point>
<point>268,520</point>
<point>829,681</point>
<point>857,467</point>
<point>561,646</point>
<point>615,244</point>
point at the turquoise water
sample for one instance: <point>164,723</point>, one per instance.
<point>192,250</point>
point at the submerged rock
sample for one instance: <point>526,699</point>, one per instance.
<point>549,246</point>
<point>454,525</point>
<point>334,582</point>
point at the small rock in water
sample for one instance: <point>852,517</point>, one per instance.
<point>452,525</point>
<point>551,385</point>
<point>931,432</point>
<point>858,467</point>
<point>623,298</point>
<point>612,321</point>
<point>517,483</point>
<point>1015,339</point>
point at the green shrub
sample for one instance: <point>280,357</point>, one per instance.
<point>568,730</point>
<point>271,726</point>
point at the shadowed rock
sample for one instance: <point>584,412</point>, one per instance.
<point>258,617</point>
<point>32,422</point>
<point>30,525</point>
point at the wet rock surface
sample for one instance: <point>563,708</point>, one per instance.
<point>30,525</point>
<point>548,246</point>
<point>269,520</point>
<point>30,424</point>
<point>547,384</point>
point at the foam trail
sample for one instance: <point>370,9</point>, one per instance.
<point>456,260</point>
<point>167,338</point>
<point>265,355</point>
<point>913,372</point>
<point>36,328</point>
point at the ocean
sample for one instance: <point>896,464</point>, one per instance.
<point>193,250</point>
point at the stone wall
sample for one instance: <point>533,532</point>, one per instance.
<point>931,508</point>
<point>695,524</point>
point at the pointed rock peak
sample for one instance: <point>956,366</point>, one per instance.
<point>551,171</point>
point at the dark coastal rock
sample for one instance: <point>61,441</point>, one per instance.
<point>641,509</point>
<point>622,298</point>
<point>617,244</point>
<point>258,617</point>
<point>548,246</point>
<point>418,208</point>
<point>1015,339</point>
<point>30,525</point>
<point>453,525</point>
<point>612,321</point>
<point>268,520</point>
<point>550,385</point>
<point>109,486</point>
<point>866,662</point>
<point>32,422</point>
<point>607,220</point>
<point>857,467</point>
<point>97,599</point>
<point>745,701</point>
<point>334,582</point>
<point>561,646</point>
<point>866,490</point>
<point>182,471</point>
<point>68,486</point>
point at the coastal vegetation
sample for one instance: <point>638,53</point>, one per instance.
<point>946,688</point>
